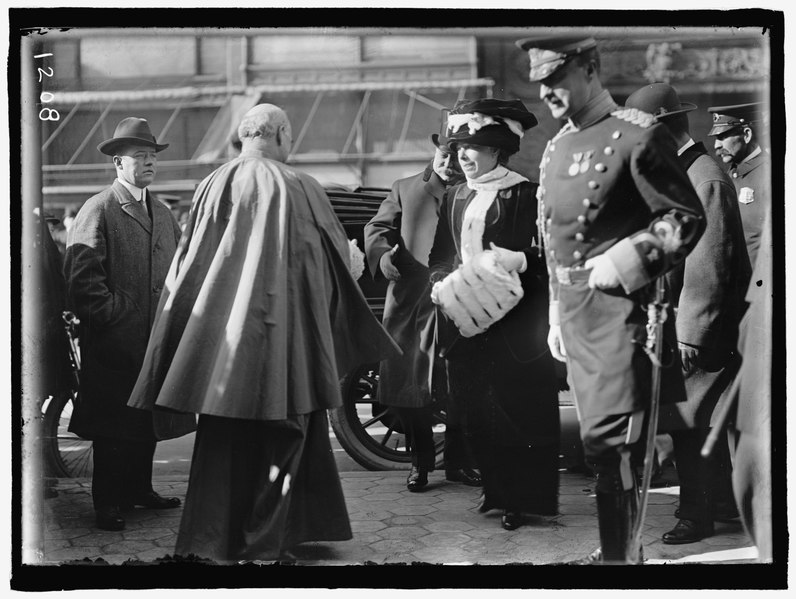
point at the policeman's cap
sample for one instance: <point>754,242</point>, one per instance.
<point>736,115</point>
<point>548,54</point>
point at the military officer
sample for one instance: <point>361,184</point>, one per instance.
<point>616,212</point>
<point>708,291</point>
<point>737,132</point>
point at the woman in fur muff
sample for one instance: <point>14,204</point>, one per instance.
<point>489,284</point>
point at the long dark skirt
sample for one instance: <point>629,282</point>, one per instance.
<point>258,488</point>
<point>510,418</point>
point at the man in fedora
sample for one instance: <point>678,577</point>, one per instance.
<point>737,130</point>
<point>397,242</point>
<point>119,250</point>
<point>616,212</point>
<point>708,293</point>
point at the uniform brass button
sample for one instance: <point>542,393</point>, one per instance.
<point>735,175</point>
<point>581,218</point>
<point>579,236</point>
<point>608,151</point>
<point>577,255</point>
<point>593,184</point>
<point>599,167</point>
<point>616,134</point>
<point>549,221</point>
<point>552,147</point>
<point>586,202</point>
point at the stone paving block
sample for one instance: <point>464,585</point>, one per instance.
<point>442,555</point>
<point>360,538</point>
<point>370,515</point>
<point>402,532</point>
<point>392,546</point>
<point>577,509</point>
<point>356,492</point>
<point>489,545</point>
<point>357,483</point>
<point>378,496</point>
<point>169,541</point>
<point>449,526</point>
<point>419,499</point>
<point>97,539</point>
<point>128,547</point>
<point>444,539</point>
<point>409,520</point>
<point>147,533</point>
<point>51,545</point>
<point>456,514</point>
<point>154,554</point>
<point>73,553</point>
<point>367,526</point>
<point>65,533</point>
<point>538,538</point>
<point>413,510</point>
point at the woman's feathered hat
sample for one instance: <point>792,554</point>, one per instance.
<point>489,122</point>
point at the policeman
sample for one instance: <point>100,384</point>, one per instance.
<point>616,212</point>
<point>708,291</point>
<point>737,130</point>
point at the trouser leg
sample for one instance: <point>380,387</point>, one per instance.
<point>418,424</point>
<point>696,475</point>
<point>108,475</point>
<point>138,480</point>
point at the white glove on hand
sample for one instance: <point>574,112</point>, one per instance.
<point>386,265</point>
<point>604,274</point>
<point>357,259</point>
<point>556,343</point>
<point>508,259</point>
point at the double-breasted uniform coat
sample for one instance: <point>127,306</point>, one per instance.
<point>610,184</point>
<point>116,262</point>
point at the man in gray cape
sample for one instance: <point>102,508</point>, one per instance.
<point>259,318</point>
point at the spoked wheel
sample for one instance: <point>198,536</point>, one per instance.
<point>369,431</point>
<point>66,455</point>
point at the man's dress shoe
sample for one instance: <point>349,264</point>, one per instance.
<point>468,476</point>
<point>152,501</point>
<point>511,520</point>
<point>417,479</point>
<point>108,518</point>
<point>686,531</point>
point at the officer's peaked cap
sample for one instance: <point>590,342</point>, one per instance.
<point>548,54</point>
<point>736,115</point>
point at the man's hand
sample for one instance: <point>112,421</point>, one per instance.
<point>604,274</point>
<point>556,343</point>
<point>508,259</point>
<point>387,267</point>
<point>689,356</point>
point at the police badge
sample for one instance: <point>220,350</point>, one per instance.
<point>746,195</point>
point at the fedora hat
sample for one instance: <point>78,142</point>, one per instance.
<point>132,130</point>
<point>658,99</point>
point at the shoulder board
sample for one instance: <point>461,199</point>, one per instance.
<point>635,116</point>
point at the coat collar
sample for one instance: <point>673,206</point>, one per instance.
<point>595,109</point>
<point>751,163</point>
<point>435,186</point>
<point>132,206</point>
<point>691,153</point>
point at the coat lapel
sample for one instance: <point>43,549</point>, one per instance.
<point>132,207</point>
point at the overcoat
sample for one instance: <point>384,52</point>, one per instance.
<point>407,217</point>
<point>260,316</point>
<point>115,264</point>
<point>708,293</point>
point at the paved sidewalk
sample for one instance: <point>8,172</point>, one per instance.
<point>441,525</point>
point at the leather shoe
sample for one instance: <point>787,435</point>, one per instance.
<point>511,520</point>
<point>468,476</point>
<point>417,479</point>
<point>686,531</point>
<point>725,516</point>
<point>153,501</point>
<point>108,518</point>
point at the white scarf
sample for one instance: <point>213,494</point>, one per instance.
<point>486,187</point>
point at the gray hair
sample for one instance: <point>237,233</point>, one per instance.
<point>264,120</point>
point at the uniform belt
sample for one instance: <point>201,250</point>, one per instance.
<point>567,275</point>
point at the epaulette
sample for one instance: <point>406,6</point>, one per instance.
<point>635,116</point>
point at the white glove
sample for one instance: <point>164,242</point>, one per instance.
<point>357,258</point>
<point>508,259</point>
<point>556,343</point>
<point>604,274</point>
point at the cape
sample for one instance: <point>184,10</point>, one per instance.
<point>260,316</point>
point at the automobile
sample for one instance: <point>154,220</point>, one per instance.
<point>367,430</point>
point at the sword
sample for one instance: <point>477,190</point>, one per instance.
<point>656,316</point>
